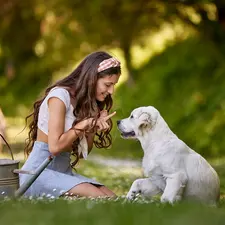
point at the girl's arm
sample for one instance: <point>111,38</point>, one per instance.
<point>59,140</point>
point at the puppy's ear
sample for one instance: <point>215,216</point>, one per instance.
<point>144,121</point>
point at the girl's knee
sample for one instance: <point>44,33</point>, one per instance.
<point>87,190</point>
<point>108,192</point>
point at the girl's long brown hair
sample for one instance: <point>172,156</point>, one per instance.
<point>83,81</point>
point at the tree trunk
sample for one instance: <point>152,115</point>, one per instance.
<point>127,56</point>
<point>221,14</point>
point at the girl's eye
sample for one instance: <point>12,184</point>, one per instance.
<point>107,85</point>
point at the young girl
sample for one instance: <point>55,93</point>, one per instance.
<point>73,111</point>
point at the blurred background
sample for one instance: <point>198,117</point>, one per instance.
<point>172,54</point>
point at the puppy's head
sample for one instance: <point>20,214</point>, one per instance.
<point>140,121</point>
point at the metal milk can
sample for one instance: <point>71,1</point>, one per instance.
<point>9,175</point>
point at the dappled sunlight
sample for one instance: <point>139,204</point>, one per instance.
<point>40,48</point>
<point>156,42</point>
<point>190,11</point>
<point>211,11</point>
<point>152,44</point>
<point>16,131</point>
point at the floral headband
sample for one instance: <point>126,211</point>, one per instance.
<point>108,63</point>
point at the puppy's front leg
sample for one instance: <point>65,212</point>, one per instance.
<point>144,187</point>
<point>175,185</point>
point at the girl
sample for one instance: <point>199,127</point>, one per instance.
<point>65,121</point>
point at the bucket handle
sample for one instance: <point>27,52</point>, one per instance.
<point>10,150</point>
<point>27,183</point>
<point>23,171</point>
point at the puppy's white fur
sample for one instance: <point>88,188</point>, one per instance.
<point>171,167</point>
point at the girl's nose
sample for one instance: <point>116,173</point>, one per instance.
<point>111,90</point>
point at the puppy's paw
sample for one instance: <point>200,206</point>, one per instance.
<point>135,189</point>
<point>178,198</point>
<point>131,195</point>
<point>166,199</point>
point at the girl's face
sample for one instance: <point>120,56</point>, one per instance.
<point>105,86</point>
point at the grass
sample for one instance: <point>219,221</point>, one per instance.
<point>107,213</point>
<point>114,211</point>
<point>117,180</point>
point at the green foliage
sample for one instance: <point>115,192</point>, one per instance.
<point>39,38</point>
<point>186,84</point>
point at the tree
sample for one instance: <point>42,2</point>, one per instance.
<point>115,23</point>
<point>211,13</point>
<point>38,38</point>
<point>29,51</point>
<point>122,24</point>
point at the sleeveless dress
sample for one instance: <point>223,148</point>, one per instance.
<point>58,178</point>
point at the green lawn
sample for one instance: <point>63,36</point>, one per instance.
<point>115,211</point>
<point>107,213</point>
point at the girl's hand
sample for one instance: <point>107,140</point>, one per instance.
<point>84,125</point>
<point>103,113</point>
<point>102,124</point>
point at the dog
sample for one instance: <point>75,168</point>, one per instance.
<point>171,168</point>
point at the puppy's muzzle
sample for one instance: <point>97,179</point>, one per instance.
<point>125,134</point>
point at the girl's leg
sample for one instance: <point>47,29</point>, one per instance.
<point>87,190</point>
<point>108,192</point>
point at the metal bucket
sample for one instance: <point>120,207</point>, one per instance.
<point>9,175</point>
<point>9,181</point>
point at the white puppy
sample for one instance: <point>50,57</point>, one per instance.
<point>171,167</point>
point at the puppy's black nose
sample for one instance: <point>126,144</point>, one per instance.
<point>118,122</point>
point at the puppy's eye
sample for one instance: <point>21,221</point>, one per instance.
<point>131,116</point>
